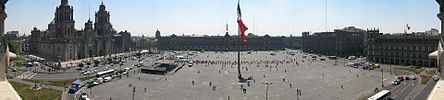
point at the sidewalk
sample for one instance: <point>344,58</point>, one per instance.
<point>437,92</point>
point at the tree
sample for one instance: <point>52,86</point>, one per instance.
<point>14,46</point>
<point>80,64</point>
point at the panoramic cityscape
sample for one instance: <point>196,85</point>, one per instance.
<point>221,50</point>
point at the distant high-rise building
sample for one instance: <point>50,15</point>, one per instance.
<point>158,34</point>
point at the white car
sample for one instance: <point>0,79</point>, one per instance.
<point>84,96</point>
<point>435,77</point>
<point>99,80</point>
<point>107,79</point>
<point>413,77</point>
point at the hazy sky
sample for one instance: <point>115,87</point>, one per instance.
<point>273,17</point>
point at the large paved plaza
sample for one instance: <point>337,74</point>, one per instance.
<point>318,80</point>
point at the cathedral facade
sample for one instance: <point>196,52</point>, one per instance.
<point>61,41</point>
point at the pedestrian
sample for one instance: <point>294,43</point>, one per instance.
<point>342,87</point>
<point>357,75</point>
<point>283,79</point>
<point>109,98</point>
<point>291,85</point>
<point>245,91</point>
<point>323,74</point>
<point>145,90</point>
<point>192,82</point>
<point>211,84</point>
<point>228,97</point>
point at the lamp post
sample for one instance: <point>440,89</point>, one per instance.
<point>266,90</point>
<point>382,78</point>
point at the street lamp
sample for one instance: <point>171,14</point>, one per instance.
<point>266,90</point>
<point>382,78</point>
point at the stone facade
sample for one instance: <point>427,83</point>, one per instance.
<point>342,42</point>
<point>402,49</point>
<point>221,43</point>
<point>61,41</point>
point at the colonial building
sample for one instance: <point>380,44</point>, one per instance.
<point>220,43</point>
<point>402,49</point>
<point>342,42</point>
<point>61,41</point>
<point>143,43</point>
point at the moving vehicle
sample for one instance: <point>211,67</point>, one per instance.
<point>400,77</point>
<point>351,57</point>
<point>396,82</point>
<point>272,54</point>
<point>435,77</point>
<point>190,64</point>
<point>107,79</point>
<point>100,74</point>
<point>332,57</point>
<point>381,95</point>
<point>75,86</point>
<point>84,96</point>
<point>98,81</point>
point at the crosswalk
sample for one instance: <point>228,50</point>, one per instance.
<point>57,76</point>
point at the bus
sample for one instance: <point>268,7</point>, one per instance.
<point>100,74</point>
<point>381,95</point>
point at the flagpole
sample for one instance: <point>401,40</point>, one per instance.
<point>238,50</point>
<point>238,53</point>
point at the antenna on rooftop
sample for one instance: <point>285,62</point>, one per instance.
<point>89,11</point>
<point>326,15</point>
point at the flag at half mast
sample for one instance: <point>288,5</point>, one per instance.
<point>242,27</point>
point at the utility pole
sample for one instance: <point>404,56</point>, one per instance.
<point>266,90</point>
<point>382,78</point>
<point>134,90</point>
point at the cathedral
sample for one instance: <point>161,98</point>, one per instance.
<point>61,41</point>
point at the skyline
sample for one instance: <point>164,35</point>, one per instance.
<point>200,17</point>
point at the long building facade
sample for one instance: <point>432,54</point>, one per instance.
<point>224,43</point>
<point>342,42</point>
<point>61,41</point>
<point>402,49</point>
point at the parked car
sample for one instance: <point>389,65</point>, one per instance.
<point>355,66</point>
<point>435,77</point>
<point>396,82</point>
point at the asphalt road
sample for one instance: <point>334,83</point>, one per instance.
<point>405,90</point>
<point>424,93</point>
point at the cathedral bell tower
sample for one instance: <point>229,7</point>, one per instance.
<point>102,23</point>
<point>63,20</point>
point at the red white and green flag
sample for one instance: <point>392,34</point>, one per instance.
<point>242,27</point>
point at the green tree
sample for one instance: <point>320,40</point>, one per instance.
<point>80,64</point>
<point>14,46</point>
